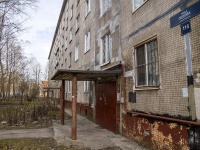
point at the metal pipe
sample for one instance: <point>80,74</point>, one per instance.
<point>124,86</point>
<point>74,101</point>
<point>165,118</point>
<point>62,91</point>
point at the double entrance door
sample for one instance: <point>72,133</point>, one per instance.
<point>106,97</point>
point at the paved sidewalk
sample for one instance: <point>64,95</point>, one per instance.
<point>26,133</point>
<point>91,135</point>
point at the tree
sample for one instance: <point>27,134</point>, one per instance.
<point>11,53</point>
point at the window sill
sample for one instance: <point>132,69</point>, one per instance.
<point>146,88</point>
<point>87,14</point>
<point>87,51</point>
<point>104,64</point>
<point>77,30</point>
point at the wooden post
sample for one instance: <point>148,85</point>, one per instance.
<point>62,92</point>
<point>74,101</point>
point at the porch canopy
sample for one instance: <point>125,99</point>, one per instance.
<point>84,75</point>
<point>74,76</point>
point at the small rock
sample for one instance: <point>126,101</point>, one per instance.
<point>34,122</point>
<point>4,122</point>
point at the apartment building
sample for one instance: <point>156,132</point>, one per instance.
<point>149,101</point>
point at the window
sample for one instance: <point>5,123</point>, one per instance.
<point>70,59</point>
<point>76,53</point>
<point>87,7</point>
<point>69,86</point>
<point>104,4</point>
<point>77,23</point>
<point>106,49</point>
<point>86,86</point>
<point>87,42</point>
<point>70,35</point>
<point>137,4</point>
<point>71,11</point>
<point>147,64</point>
<point>65,62</point>
<point>67,5</point>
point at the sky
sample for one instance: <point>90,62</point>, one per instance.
<point>42,25</point>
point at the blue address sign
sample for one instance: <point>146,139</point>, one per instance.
<point>185,28</point>
<point>185,15</point>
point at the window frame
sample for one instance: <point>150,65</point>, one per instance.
<point>76,53</point>
<point>70,35</point>
<point>104,6</point>
<point>86,86</point>
<point>69,86</point>
<point>70,59</point>
<point>88,7</point>
<point>87,42</point>
<point>133,5</point>
<point>77,22</point>
<point>108,49</point>
<point>147,85</point>
<point>71,12</point>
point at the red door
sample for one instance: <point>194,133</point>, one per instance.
<point>106,97</point>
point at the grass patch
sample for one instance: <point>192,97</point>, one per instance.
<point>33,144</point>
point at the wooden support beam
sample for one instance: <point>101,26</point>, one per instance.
<point>74,101</point>
<point>62,93</point>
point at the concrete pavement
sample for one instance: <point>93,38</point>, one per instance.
<point>26,133</point>
<point>91,135</point>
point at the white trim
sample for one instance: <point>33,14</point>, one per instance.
<point>86,86</point>
<point>69,86</point>
<point>87,42</point>
<point>76,53</point>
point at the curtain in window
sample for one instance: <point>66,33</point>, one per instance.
<point>152,63</point>
<point>141,66</point>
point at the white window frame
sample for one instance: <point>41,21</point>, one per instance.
<point>146,66</point>
<point>106,39</point>
<point>86,86</point>
<point>88,7</point>
<point>69,86</point>
<point>71,12</point>
<point>135,8</point>
<point>76,53</point>
<point>105,5</point>
<point>87,42</point>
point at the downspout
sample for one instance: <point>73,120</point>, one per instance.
<point>123,107</point>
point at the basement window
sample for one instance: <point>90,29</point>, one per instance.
<point>146,57</point>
